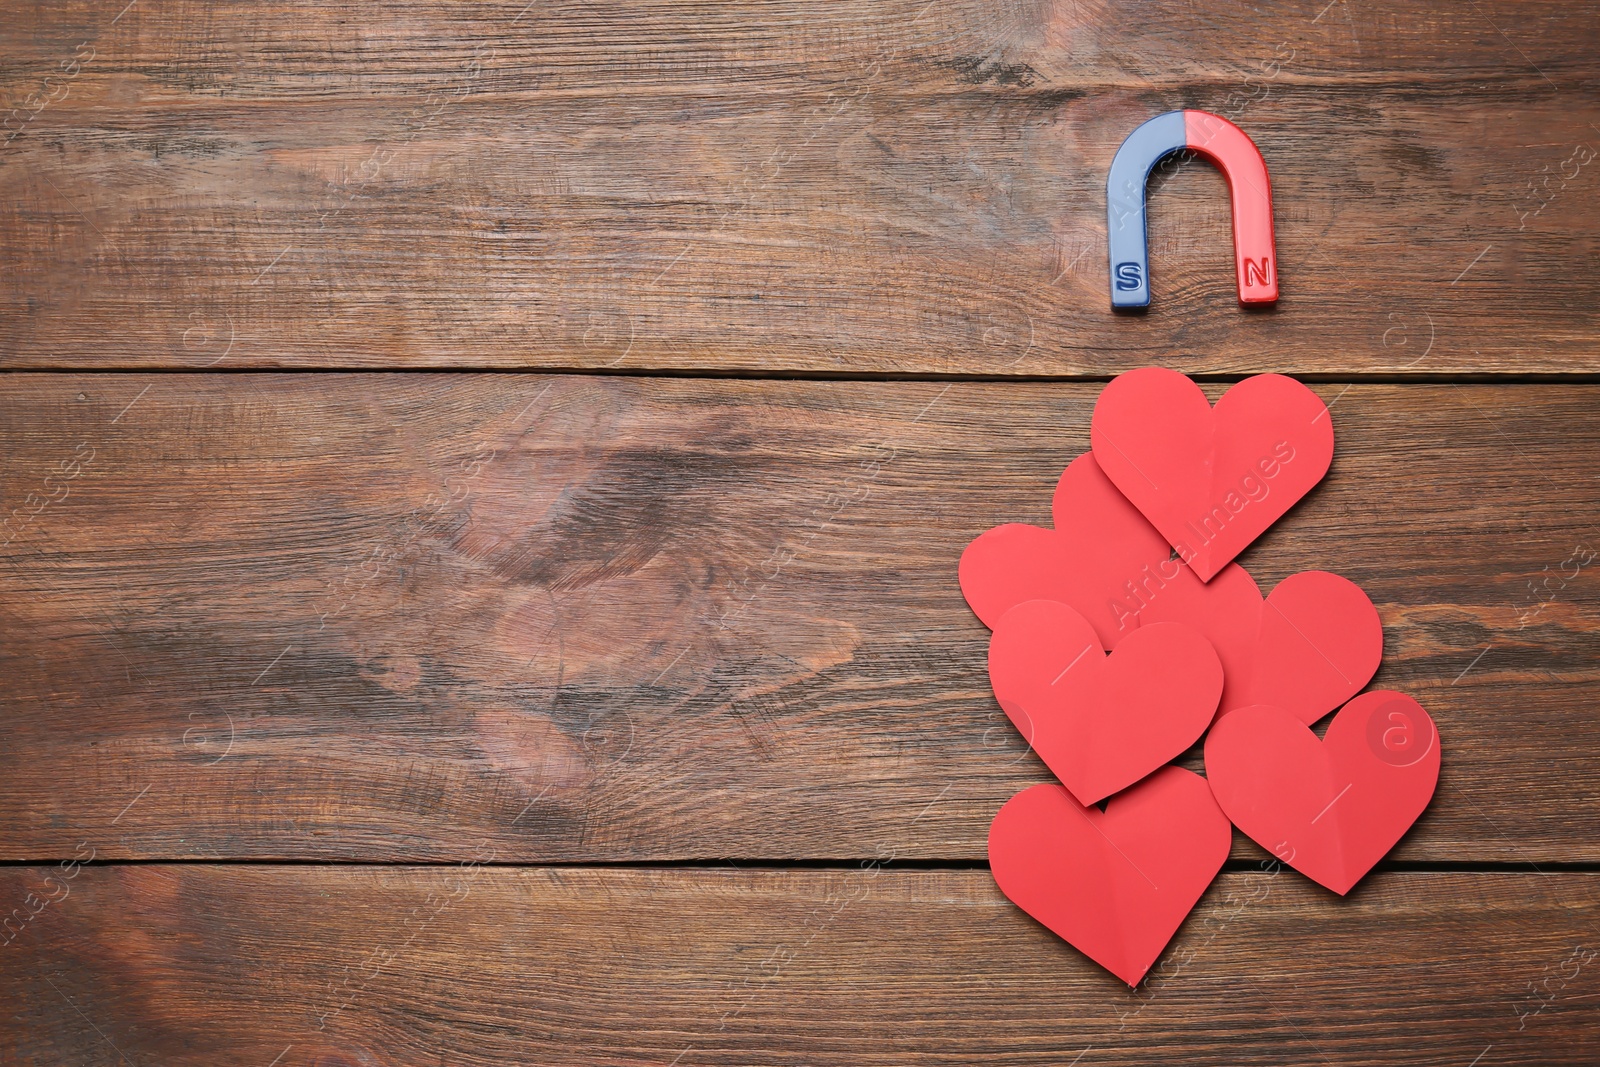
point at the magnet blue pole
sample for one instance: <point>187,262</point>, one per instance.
<point>1125,225</point>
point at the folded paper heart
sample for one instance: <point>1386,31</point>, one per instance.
<point>1102,722</point>
<point>1103,558</point>
<point>1210,479</point>
<point>1307,648</point>
<point>1115,884</point>
<point>1330,808</point>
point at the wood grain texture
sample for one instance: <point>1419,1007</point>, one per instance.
<point>342,967</point>
<point>608,618</point>
<point>880,187</point>
<point>583,618</point>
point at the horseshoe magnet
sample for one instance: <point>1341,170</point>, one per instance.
<point>1231,149</point>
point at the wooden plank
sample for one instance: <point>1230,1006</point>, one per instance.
<point>300,966</point>
<point>301,51</point>
<point>892,188</point>
<point>590,618</point>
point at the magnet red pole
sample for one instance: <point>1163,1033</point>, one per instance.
<point>1237,156</point>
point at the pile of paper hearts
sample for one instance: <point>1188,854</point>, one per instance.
<point>1139,564</point>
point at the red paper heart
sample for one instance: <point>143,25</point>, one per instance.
<point>1307,648</point>
<point>1099,557</point>
<point>1115,884</point>
<point>1102,722</point>
<point>1330,808</point>
<point>1311,646</point>
<point>1210,479</point>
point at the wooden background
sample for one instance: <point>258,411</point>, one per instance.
<point>625,709</point>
